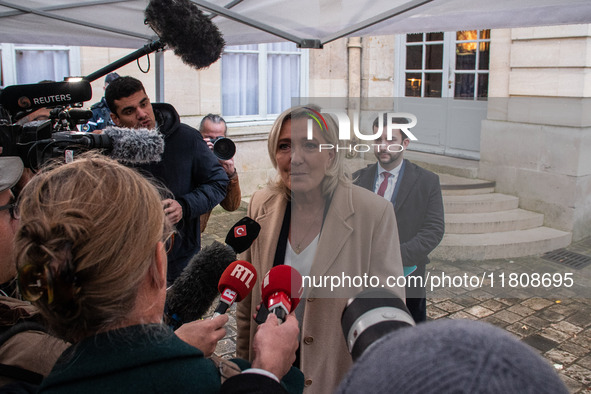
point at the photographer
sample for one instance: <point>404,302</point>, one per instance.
<point>213,127</point>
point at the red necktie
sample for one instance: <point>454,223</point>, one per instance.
<point>384,184</point>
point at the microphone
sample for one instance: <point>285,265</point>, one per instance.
<point>236,283</point>
<point>281,290</point>
<point>17,98</point>
<point>369,316</point>
<point>132,146</point>
<point>243,234</point>
<point>193,292</point>
<point>183,27</point>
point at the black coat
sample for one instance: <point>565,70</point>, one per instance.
<point>193,174</point>
<point>418,208</point>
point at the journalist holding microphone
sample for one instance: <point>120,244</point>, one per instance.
<point>92,257</point>
<point>315,220</point>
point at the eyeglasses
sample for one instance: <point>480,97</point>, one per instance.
<point>169,243</point>
<point>12,209</point>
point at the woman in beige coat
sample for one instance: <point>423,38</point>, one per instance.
<point>336,231</point>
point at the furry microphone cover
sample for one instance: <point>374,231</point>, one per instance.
<point>136,146</point>
<point>182,26</point>
<point>193,292</point>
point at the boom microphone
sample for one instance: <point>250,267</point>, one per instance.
<point>369,316</point>
<point>182,26</point>
<point>236,283</point>
<point>281,290</point>
<point>193,292</point>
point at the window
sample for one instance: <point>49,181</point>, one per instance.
<point>471,60</point>
<point>445,64</point>
<point>25,64</point>
<point>259,80</point>
<point>424,65</point>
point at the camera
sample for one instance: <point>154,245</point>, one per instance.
<point>38,141</point>
<point>223,148</point>
<point>371,315</point>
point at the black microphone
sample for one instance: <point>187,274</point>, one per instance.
<point>369,316</point>
<point>17,98</point>
<point>131,146</point>
<point>196,288</point>
<point>242,234</point>
<point>182,26</point>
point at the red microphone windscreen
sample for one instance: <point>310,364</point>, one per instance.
<point>240,276</point>
<point>283,278</point>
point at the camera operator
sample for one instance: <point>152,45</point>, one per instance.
<point>213,127</point>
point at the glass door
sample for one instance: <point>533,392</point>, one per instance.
<point>442,78</point>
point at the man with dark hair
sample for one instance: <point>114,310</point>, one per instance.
<point>415,194</point>
<point>213,127</point>
<point>101,115</point>
<point>188,168</point>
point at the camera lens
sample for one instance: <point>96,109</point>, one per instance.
<point>224,148</point>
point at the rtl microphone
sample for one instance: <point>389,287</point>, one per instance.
<point>281,290</point>
<point>236,283</point>
<point>193,292</point>
<point>182,26</point>
<point>369,316</point>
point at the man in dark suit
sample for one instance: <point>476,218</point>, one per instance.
<point>415,194</point>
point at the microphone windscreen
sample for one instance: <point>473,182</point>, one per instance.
<point>240,276</point>
<point>193,292</point>
<point>40,95</point>
<point>135,146</point>
<point>285,279</point>
<point>243,234</point>
<point>182,26</point>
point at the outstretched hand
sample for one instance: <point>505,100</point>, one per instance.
<point>203,334</point>
<point>275,344</point>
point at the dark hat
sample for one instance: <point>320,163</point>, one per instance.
<point>110,78</point>
<point>451,356</point>
<point>11,169</point>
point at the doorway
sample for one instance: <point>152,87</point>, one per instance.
<point>442,78</point>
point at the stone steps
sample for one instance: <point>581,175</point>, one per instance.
<point>473,203</point>
<point>481,224</point>
<point>492,222</point>
<point>501,245</point>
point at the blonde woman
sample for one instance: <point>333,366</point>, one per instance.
<point>331,228</point>
<point>92,257</point>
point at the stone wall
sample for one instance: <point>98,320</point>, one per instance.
<point>536,140</point>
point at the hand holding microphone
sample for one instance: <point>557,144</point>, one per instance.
<point>281,291</point>
<point>204,334</point>
<point>235,284</point>
<point>193,292</point>
<point>274,345</point>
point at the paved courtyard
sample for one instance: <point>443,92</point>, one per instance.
<point>547,304</point>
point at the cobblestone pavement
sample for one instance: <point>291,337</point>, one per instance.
<point>530,297</point>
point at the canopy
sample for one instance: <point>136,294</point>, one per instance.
<point>310,23</point>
